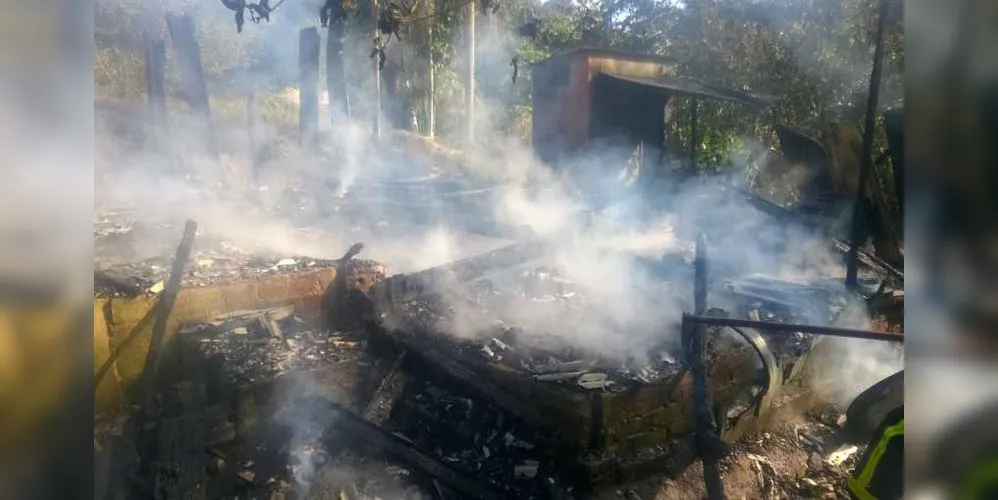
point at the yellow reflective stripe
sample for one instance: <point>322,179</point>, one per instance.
<point>982,476</point>
<point>859,491</point>
<point>859,485</point>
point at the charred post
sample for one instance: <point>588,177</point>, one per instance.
<point>192,72</point>
<point>155,56</point>
<point>165,306</point>
<point>335,84</point>
<point>709,446</point>
<point>866,156</point>
<point>308,86</point>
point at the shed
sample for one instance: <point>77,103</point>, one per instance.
<point>590,95</point>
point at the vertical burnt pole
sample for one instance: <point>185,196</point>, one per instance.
<point>866,156</point>
<point>709,445</point>
<point>164,306</point>
<point>308,86</point>
<point>155,55</point>
<point>192,72</point>
<point>694,133</point>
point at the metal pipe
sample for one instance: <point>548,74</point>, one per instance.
<point>866,156</point>
<point>786,328</point>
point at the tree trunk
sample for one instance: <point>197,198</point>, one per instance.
<point>377,74</point>
<point>431,104</point>
<point>470,103</point>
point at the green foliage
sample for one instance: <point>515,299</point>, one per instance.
<point>813,55</point>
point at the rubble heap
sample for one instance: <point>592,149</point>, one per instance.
<point>253,346</point>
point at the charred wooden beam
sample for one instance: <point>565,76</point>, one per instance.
<point>437,359</point>
<point>362,431</point>
<point>866,156</point>
<point>165,307</point>
<point>383,401</point>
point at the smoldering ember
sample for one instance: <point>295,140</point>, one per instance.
<point>386,297</point>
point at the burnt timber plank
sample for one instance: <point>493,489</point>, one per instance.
<point>362,431</point>
<point>488,391</point>
<point>383,401</point>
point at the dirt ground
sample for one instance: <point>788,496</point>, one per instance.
<point>796,459</point>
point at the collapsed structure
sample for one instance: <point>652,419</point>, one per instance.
<point>294,372</point>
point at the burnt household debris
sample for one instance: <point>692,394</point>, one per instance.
<point>291,376</point>
<point>382,393</point>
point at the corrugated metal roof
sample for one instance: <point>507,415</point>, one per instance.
<point>692,86</point>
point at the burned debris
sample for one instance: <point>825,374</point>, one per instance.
<point>428,378</point>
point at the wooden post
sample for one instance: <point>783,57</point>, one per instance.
<point>252,118</point>
<point>706,425</point>
<point>694,134</point>
<point>470,104</point>
<point>192,72</point>
<point>155,55</point>
<point>335,84</point>
<point>308,86</point>
<point>164,306</point>
<point>866,156</point>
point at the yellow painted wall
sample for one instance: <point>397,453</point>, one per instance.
<point>115,318</point>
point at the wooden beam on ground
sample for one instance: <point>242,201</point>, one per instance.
<point>433,357</point>
<point>379,408</point>
<point>362,431</point>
